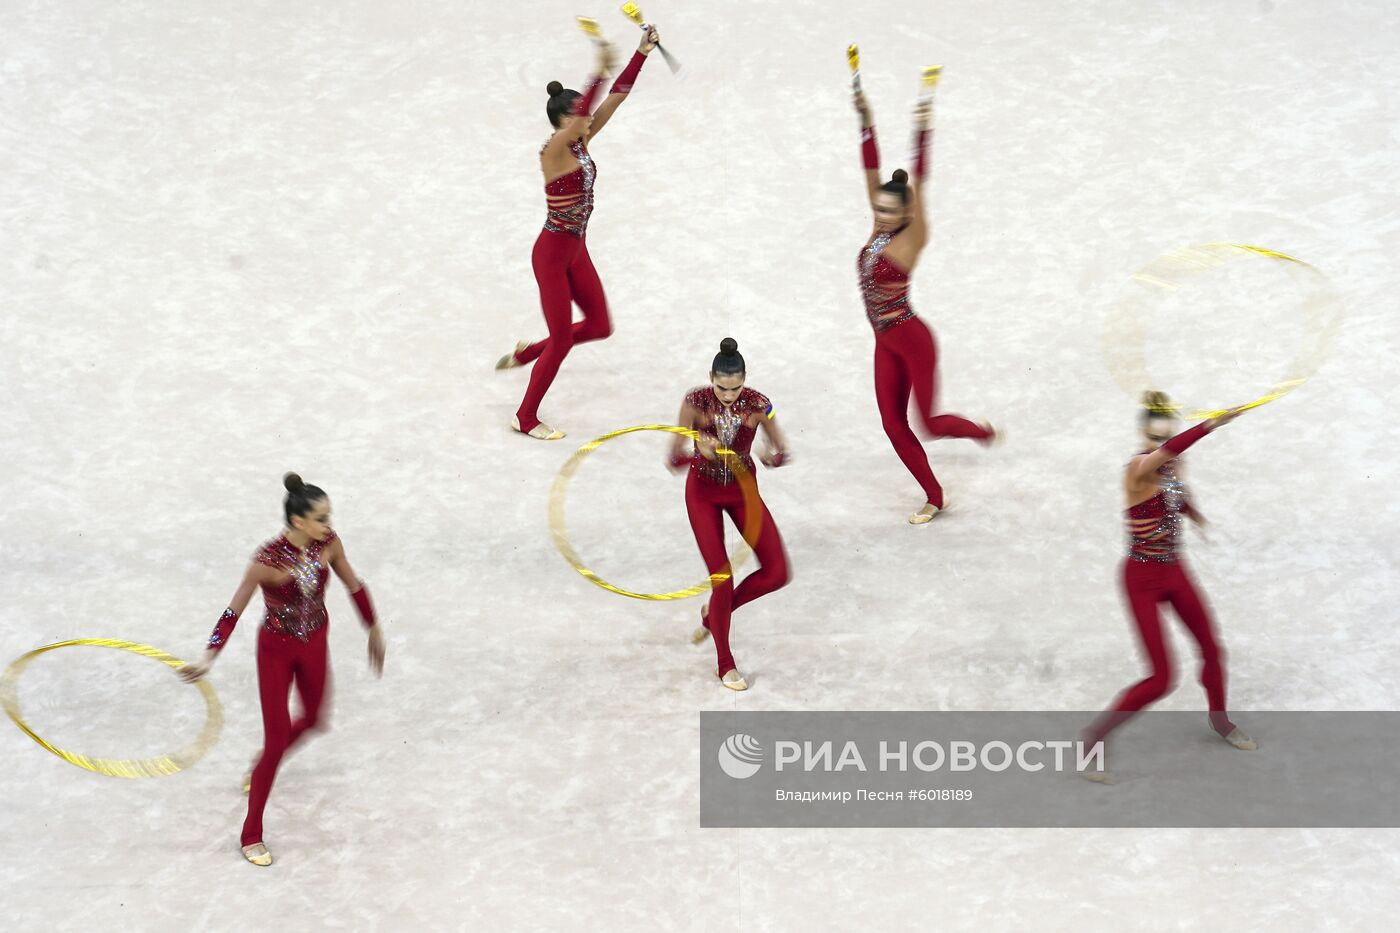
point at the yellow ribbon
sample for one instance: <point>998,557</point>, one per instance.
<point>1164,271</point>
<point>117,767</point>
<point>752,522</point>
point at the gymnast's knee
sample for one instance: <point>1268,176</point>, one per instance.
<point>316,721</point>
<point>595,330</point>
<point>782,575</point>
<point>896,427</point>
<point>1212,656</point>
<point>1159,683</point>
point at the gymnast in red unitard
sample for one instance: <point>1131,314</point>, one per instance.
<point>1155,573</point>
<point>906,354</point>
<point>727,414</point>
<point>563,269</point>
<point>292,571</point>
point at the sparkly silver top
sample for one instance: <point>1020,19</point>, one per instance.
<point>296,606</point>
<point>1155,524</point>
<point>883,286</point>
<point>731,426</point>
<point>571,216</point>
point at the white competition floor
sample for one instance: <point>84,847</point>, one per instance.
<point>240,239</point>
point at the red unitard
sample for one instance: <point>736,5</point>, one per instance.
<point>711,490</point>
<point>291,649</point>
<point>906,354</point>
<point>563,269</point>
<point>1154,573</point>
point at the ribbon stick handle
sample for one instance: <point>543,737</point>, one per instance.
<point>853,59</point>
<point>928,80</point>
<point>631,11</point>
<point>590,28</point>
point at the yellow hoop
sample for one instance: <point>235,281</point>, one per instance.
<point>752,508</point>
<point>1127,327</point>
<point>118,767</point>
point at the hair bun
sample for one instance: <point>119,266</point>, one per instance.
<point>729,345</point>
<point>292,482</point>
<point>1156,401</point>
<point>900,177</point>
<point>554,88</point>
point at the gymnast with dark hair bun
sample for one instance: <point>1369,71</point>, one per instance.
<point>563,269</point>
<point>1154,572</point>
<point>906,354</point>
<point>292,570</point>
<point>727,415</point>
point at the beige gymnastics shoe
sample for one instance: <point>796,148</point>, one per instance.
<point>998,435</point>
<point>541,431</point>
<point>926,514</point>
<point>257,854</point>
<point>1240,740</point>
<point>703,632</point>
<point>734,681</point>
<point>509,361</point>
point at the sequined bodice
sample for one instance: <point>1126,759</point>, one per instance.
<point>571,216</point>
<point>883,285</point>
<point>1154,525</point>
<point>295,607</point>
<point>734,426</point>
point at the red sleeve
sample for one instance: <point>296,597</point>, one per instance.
<point>624,82</point>
<point>363,606</point>
<point>921,147</point>
<point>223,629</point>
<point>583,104</point>
<point>869,148</point>
<point>1185,439</point>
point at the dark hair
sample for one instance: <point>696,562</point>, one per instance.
<point>300,496</point>
<point>1156,404</point>
<point>561,102</point>
<point>898,184</point>
<point>728,362</point>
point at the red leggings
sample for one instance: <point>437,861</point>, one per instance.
<point>281,660</point>
<point>906,359</point>
<point>566,277</point>
<point>1147,585</point>
<point>706,504</point>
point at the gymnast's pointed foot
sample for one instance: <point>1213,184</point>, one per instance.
<point>926,514</point>
<point>541,431</point>
<point>257,854</point>
<point>994,438</point>
<point>734,680</point>
<point>1240,740</point>
<point>512,359</point>
<point>703,632</point>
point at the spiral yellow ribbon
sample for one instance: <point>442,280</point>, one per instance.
<point>117,767</point>
<point>753,518</point>
<point>1126,328</point>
